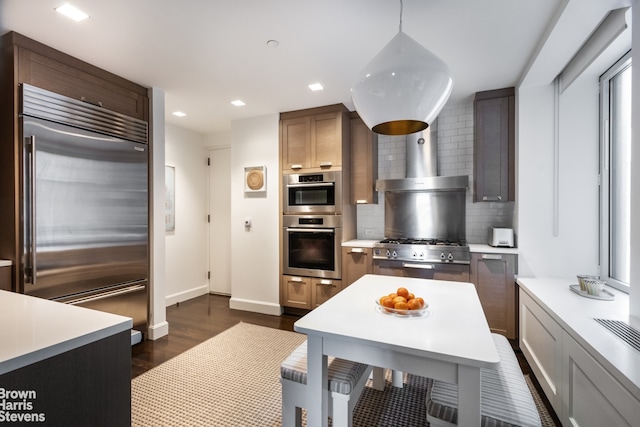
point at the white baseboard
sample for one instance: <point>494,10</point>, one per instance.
<point>255,306</point>
<point>185,295</point>
<point>158,331</point>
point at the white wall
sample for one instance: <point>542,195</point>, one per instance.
<point>158,326</point>
<point>572,247</point>
<point>186,247</point>
<point>255,250</point>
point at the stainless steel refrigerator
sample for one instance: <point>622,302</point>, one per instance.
<point>84,214</point>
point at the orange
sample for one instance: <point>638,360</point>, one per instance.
<point>414,304</point>
<point>399,299</point>
<point>421,301</point>
<point>401,307</point>
<point>403,292</point>
<point>393,295</point>
<point>386,302</point>
<point>411,296</point>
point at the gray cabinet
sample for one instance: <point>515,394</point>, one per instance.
<point>494,146</point>
<point>493,274</point>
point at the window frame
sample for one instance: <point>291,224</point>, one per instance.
<point>604,172</point>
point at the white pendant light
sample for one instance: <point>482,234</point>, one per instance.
<point>403,89</point>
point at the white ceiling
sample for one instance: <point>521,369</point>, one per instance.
<point>206,53</point>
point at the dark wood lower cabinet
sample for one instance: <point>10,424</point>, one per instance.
<point>494,278</point>
<point>356,262</point>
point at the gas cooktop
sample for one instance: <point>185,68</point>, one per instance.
<point>423,250</point>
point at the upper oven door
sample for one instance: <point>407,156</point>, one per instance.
<point>319,193</point>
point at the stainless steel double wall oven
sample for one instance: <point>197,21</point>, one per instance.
<point>312,224</point>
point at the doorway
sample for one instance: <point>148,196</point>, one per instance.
<point>220,222</point>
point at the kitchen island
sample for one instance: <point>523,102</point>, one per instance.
<point>63,365</point>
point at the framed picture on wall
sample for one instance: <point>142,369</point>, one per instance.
<point>169,198</point>
<point>255,179</point>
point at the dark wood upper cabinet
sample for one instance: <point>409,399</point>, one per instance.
<point>494,146</point>
<point>364,162</point>
<point>315,139</point>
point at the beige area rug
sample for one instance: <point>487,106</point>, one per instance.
<point>232,380</point>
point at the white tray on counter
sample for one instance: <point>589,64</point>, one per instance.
<point>605,295</point>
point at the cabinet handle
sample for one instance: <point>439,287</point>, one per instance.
<point>296,167</point>
<point>361,202</point>
<point>491,256</point>
<point>326,282</point>
<point>296,279</point>
<point>492,198</point>
<point>96,103</point>
<point>356,251</point>
<point>325,164</point>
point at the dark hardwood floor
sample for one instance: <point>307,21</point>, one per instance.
<point>195,321</point>
<point>198,319</point>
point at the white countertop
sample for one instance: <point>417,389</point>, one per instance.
<point>576,313</point>
<point>482,248</point>
<point>5,263</point>
<point>357,243</point>
<point>34,329</point>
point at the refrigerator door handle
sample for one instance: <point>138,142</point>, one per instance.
<point>104,295</point>
<point>31,244</point>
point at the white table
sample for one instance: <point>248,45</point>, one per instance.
<point>451,344</point>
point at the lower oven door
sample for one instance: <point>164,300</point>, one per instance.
<point>312,252</point>
<point>422,270</point>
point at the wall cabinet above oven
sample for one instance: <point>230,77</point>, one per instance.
<point>494,146</point>
<point>316,139</point>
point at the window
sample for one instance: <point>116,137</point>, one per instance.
<point>615,173</point>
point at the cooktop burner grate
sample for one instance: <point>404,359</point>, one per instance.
<point>623,331</point>
<point>431,242</point>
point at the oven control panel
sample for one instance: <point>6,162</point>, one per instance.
<point>455,254</point>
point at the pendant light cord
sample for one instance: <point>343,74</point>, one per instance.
<point>401,6</point>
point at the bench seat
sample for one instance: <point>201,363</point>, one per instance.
<point>505,398</point>
<point>346,382</point>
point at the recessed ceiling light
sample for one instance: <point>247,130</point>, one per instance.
<point>273,43</point>
<point>315,86</point>
<point>179,114</point>
<point>72,12</point>
<point>238,103</point>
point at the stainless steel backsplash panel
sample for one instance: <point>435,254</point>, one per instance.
<point>425,214</point>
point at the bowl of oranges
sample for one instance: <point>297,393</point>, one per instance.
<point>402,303</point>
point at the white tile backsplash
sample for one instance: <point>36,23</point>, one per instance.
<point>455,157</point>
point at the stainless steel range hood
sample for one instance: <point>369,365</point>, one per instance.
<point>422,168</point>
<point>424,205</point>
